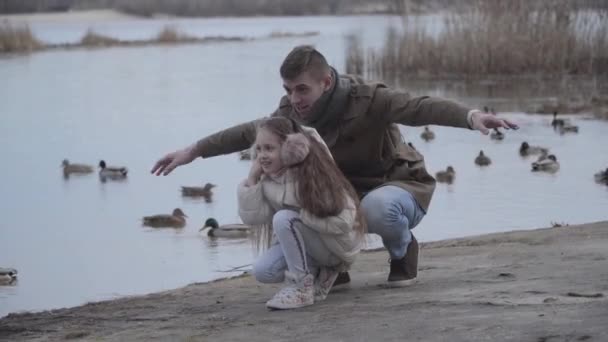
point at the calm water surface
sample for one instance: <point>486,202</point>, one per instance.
<point>80,240</point>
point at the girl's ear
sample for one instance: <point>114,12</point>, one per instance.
<point>295,149</point>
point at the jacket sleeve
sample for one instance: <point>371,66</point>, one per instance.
<point>230,140</point>
<point>253,207</point>
<point>343,223</point>
<point>399,107</point>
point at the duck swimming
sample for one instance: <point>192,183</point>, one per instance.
<point>245,155</point>
<point>176,220</point>
<point>526,150</point>
<point>602,177</point>
<point>199,191</point>
<point>446,176</point>
<point>497,135</point>
<point>233,231</point>
<point>427,134</point>
<point>111,172</point>
<point>567,128</point>
<point>556,121</point>
<point>7,276</point>
<point>549,164</point>
<point>482,159</point>
<point>69,168</point>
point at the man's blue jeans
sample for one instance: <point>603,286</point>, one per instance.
<point>392,212</point>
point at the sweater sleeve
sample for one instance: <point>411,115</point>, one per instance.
<point>253,207</point>
<point>342,223</point>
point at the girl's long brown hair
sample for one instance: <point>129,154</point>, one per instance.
<point>322,189</point>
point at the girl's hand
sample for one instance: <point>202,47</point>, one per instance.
<point>254,173</point>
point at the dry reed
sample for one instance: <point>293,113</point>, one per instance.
<point>93,39</point>
<point>17,38</point>
<point>494,37</point>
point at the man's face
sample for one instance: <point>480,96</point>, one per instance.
<point>305,90</point>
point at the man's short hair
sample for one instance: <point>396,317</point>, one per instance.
<point>304,58</point>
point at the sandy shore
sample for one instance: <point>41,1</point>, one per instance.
<point>93,16</point>
<point>540,285</point>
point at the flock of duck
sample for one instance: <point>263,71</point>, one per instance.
<point>105,172</point>
<point>545,161</point>
<point>177,219</point>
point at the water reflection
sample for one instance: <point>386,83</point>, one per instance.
<point>509,93</point>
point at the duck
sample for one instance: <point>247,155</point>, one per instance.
<point>568,128</point>
<point>497,135</point>
<point>526,150</point>
<point>601,177</point>
<point>427,134</point>
<point>411,146</point>
<point>556,121</point>
<point>543,155</point>
<point>111,172</point>
<point>199,191</point>
<point>7,276</point>
<point>549,164</point>
<point>446,176</point>
<point>245,155</point>
<point>69,168</point>
<point>482,159</point>
<point>234,231</point>
<point>177,219</point>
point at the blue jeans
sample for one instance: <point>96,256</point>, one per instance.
<point>392,212</point>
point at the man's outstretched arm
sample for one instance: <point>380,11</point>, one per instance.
<point>400,107</point>
<point>230,140</point>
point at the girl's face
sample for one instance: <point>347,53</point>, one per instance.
<point>268,147</point>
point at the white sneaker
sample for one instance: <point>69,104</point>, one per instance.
<point>324,281</point>
<point>296,294</point>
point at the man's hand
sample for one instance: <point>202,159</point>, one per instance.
<point>485,122</point>
<point>172,160</point>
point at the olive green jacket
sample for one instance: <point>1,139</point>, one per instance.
<point>369,148</point>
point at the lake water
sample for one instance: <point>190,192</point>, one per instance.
<point>80,240</point>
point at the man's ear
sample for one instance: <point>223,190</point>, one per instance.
<point>327,80</point>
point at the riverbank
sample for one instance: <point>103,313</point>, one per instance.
<point>16,36</point>
<point>91,17</point>
<point>540,285</point>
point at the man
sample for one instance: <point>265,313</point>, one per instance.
<point>358,121</point>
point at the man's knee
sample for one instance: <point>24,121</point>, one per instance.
<point>380,208</point>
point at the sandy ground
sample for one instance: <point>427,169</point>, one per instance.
<point>93,16</point>
<point>544,285</point>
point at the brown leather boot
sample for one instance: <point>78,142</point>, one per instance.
<point>405,268</point>
<point>343,279</point>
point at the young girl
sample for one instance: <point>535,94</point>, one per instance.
<point>295,188</point>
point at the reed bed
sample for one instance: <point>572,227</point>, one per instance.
<point>493,37</point>
<point>17,38</point>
